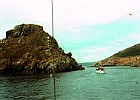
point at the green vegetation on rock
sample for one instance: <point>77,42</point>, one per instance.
<point>132,51</point>
<point>126,57</point>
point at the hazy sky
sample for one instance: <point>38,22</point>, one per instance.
<point>91,29</point>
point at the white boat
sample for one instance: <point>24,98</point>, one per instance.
<point>100,70</point>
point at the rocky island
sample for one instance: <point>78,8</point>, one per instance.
<point>28,49</point>
<point>127,57</point>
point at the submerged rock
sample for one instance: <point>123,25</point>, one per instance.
<point>28,49</point>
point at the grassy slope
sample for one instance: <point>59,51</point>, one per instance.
<point>131,51</point>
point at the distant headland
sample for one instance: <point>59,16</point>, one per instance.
<point>127,57</point>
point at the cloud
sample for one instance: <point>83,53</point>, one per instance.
<point>92,53</point>
<point>94,49</point>
<point>94,11</point>
<point>72,12</point>
<point>135,36</point>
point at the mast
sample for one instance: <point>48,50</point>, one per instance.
<point>52,21</point>
<point>53,53</point>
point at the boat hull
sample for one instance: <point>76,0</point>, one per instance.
<point>100,71</point>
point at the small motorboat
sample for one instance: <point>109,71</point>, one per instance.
<point>100,70</point>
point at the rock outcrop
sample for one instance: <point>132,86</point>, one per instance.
<point>28,49</point>
<point>127,57</point>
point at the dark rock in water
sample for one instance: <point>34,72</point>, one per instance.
<point>27,49</point>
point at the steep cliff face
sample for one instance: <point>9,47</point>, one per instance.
<point>27,49</point>
<point>127,57</point>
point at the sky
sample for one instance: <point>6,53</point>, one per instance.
<point>91,29</point>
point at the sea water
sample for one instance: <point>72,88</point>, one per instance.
<point>118,83</point>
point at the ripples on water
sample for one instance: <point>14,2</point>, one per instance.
<point>118,83</point>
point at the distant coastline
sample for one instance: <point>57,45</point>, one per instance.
<point>127,57</point>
